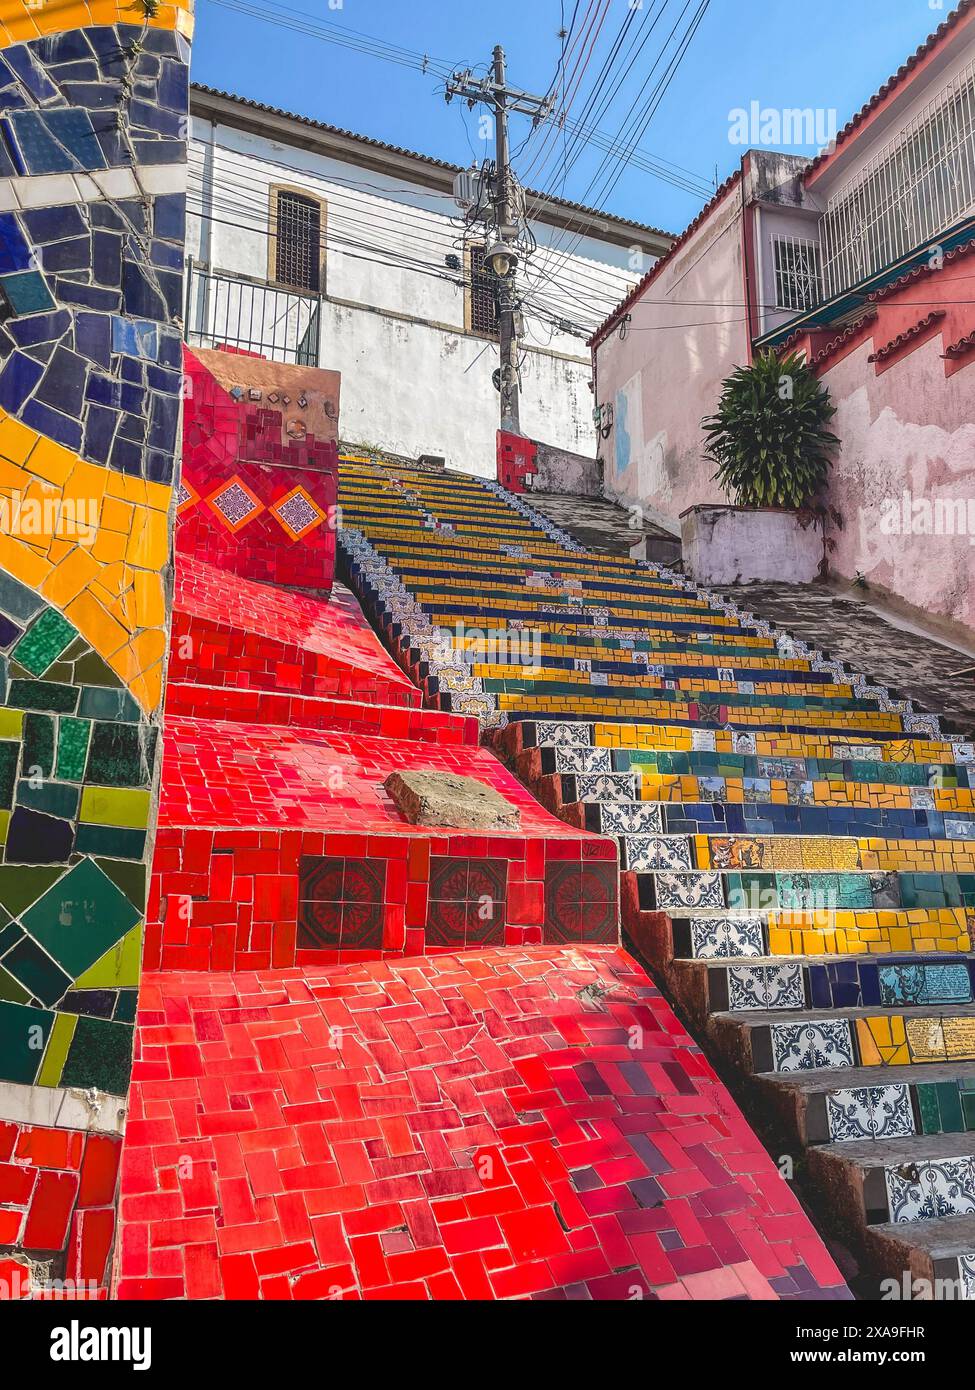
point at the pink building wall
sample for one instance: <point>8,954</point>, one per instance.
<point>687,326</point>
<point>902,379</point>
<point>904,481</point>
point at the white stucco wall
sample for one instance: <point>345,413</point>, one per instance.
<point>413,379</point>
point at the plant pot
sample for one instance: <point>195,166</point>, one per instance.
<point>749,545</point>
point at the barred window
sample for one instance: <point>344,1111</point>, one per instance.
<point>298,241</point>
<point>482,312</point>
<point>798,278</point>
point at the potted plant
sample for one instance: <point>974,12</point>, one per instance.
<point>771,442</point>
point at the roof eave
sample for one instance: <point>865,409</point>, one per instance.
<point>436,174</point>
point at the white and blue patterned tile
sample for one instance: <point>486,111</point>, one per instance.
<point>870,1112</point>
<point>649,853</point>
<point>811,1046</point>
<point>931,1189</point>
<point>716,938</point>
<point>583,760</point>
<point>689,890</point>
<point>765,987</point>
<point>606,786</point>
<point>623,818</point>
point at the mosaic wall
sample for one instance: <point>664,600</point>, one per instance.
<point>257,493</point>
<point>93,109</point>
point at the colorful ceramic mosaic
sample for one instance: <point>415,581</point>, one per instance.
<point>253,500</point>
<point>93,111</point>
<point>794,839</point>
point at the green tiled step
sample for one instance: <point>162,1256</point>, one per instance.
<point>797,891</point>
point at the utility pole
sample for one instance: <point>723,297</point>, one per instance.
<point>502,255</point>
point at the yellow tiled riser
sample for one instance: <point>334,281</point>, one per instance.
<point>861,932</point>
<point>785,852</point>
<point>893,1041</point>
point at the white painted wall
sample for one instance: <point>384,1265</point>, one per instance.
<point>413,380</point>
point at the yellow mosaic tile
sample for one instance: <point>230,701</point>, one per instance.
<point>70,550</point>
<point>24,20</point>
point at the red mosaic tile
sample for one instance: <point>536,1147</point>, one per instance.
<point>466,1126</point>
<point>253,501</point>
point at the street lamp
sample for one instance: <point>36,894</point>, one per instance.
<point>502,257</point>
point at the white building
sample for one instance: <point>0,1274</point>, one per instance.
<point>311,244</point>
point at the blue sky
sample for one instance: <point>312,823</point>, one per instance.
<point>832,55</point>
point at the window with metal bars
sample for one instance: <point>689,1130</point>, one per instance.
<point>916,187</point>
<point>298,241</point>
<point>798,277</point>
<point>481,298</point>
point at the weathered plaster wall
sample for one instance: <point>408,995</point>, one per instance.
<point>92,224</point>
<point>412,389</point>
<point>907,431</point>
<point>687,331</point>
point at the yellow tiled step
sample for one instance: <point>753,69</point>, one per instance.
<point>669,738</point>
<point>875,932</point>
<point>784,853</point>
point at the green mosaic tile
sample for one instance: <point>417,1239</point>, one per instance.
<point>949,1103</point>
<point>927,1099</point>
<point>968,1108</point>
<point>37,972</point>
<point>38,745</point>
<point>116,705</point>
<point>131,878</point>
<point>93,670</point>
<point>121,755</point>
<point>73,735</point>
<point>54,798</point>
<point>100,1055</point>
<point>110,840</point>
<point>43,643</point>
<point>9,753</point>
<point>23,1038</point>
<point>43,695</point>
<point>127,1005</point>
<point>80,917</point>
<point>21,885</point>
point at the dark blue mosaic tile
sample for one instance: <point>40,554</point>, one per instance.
<point>56,142</point>
<point>17,380</point>
<point>93,338</point>
<point>39,328</point>
<point>15,253</point>
<point>50,422</point>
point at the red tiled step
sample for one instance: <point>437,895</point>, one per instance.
<point>268,707</point>
<point>498,1124</point>
<point>278,846</point>
<point>229,631</point>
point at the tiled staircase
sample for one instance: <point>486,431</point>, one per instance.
<point>797,845</point>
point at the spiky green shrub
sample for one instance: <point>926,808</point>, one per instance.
<point>769,436</point>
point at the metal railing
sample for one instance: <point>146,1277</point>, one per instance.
<point>281,325</point>
<point>917,186</point>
